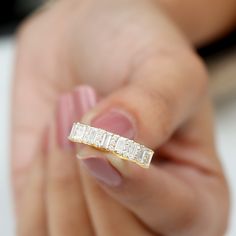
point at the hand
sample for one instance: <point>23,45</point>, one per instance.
<point>138,61</point>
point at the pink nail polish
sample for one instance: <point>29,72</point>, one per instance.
<point>117,122</point>
<point>103,171</point>
<point>65,119</point>
<point>85,99</point>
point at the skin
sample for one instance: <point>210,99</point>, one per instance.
<point>137,46</point>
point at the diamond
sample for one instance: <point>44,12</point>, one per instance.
<point>120,145</point>
<point>72,132</point>
<point>91,136</point>
<point>139,153</point>
<point>79,131</point>
<point>144,156</point>
<point>147,157</point>
<point>87,134</point>
<point>129,150</point>
<point>99,137</point>
<point>113,142</point>
<point>106,140</point>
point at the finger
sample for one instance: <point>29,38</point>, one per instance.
<point>107,215</point>
<point>31,210</point>
<point>191,133</point>
<point>39,79</point>
<point>160,96</point>
<point>149,110</point>
<point>67,210</point>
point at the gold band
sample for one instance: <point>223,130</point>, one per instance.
<point>105,141</point>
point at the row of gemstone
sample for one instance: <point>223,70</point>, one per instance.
<point>124,147</point>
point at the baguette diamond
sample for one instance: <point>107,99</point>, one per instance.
<point>99,138</point>
<point>124,148</point>
<point>106,140</point>
<point>120,145</point>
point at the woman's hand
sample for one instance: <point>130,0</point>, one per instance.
<point>176,194</point>
<point>144,70</point>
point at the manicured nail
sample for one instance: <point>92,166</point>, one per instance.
<point>65,119</point>
<point>85,99</point>
<point>103,171</point>
<point>116,121</point>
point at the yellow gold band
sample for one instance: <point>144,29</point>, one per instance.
<point>105,141</point>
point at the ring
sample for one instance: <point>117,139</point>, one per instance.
<point>105,141</point>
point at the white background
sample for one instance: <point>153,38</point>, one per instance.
<point>225,129</point>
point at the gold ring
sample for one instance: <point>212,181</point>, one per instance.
<point>105,141</point>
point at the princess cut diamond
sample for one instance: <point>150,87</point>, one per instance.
<point>113,142</point>
<point>130,149</point>
<point>99,137</point>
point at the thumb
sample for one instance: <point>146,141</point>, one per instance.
<point>147,110</point>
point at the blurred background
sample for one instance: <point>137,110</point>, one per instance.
<point>220,57</point>
<point>13,11</point>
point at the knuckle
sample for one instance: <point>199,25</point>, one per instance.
<point>162,103</point>
<point>164,113</point>
<point>189,81</point>
<point>197,70</point>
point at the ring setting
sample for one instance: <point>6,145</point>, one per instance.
<point>103,140</point>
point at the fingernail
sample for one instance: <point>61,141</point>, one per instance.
<point>85,99</point>
<point>65,118</point>
<point>116,121</point>
<point>103,171</point>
